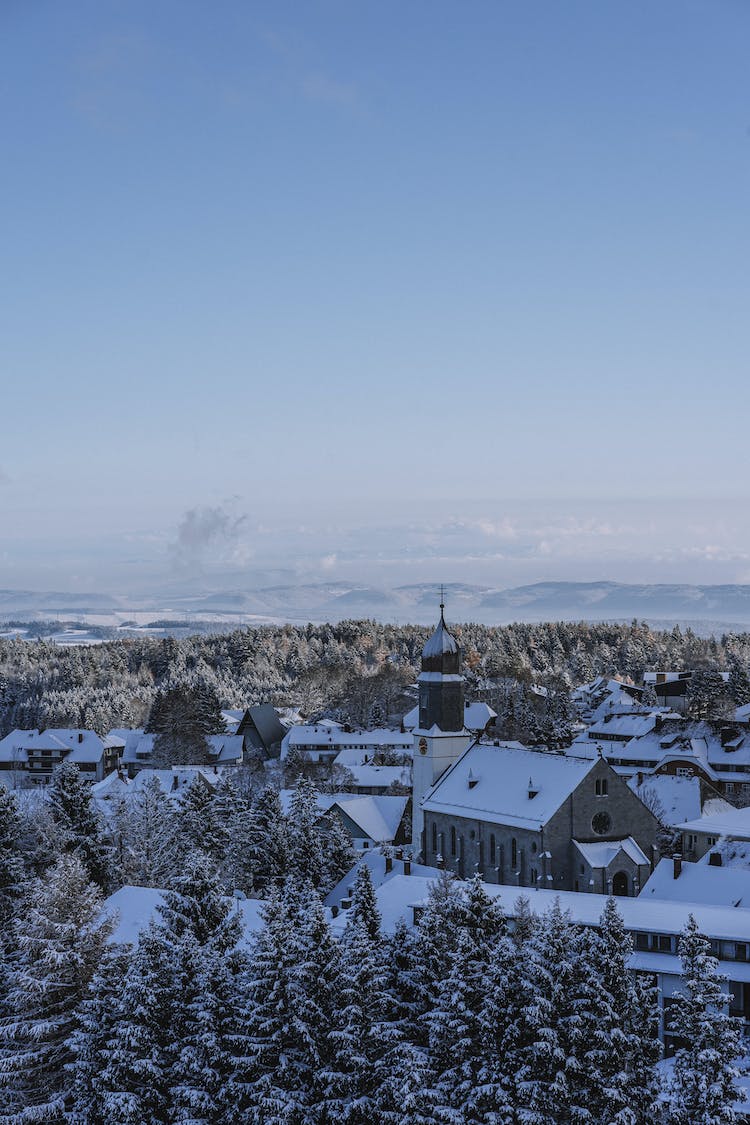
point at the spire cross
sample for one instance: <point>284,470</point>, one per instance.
<point>442,597</point>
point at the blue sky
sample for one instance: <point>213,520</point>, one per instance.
<point>371,273</point>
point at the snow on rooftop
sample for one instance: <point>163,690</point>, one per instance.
<point>397,895</point>
<point>699,883</point>
<point>499,792</point>
<point>135,907</point>
<point>601,853</point>
<point>441,642</point>
<point>731,822</point>
<point>679,797</point>
<point>476,715</point>
<point>378,817</point>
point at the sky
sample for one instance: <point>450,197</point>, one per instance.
<point>374,290</point>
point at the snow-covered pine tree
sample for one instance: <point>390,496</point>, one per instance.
<point>135,1081</point>
<point>364,909</point>
<point>436,939</point>
<point>338,853</point>
<point>144,829</point>
<point>269,845</point>
<point>11,864</point>
<point>275,1082</point>
<point>96,1018</point>
<point>362,1035</point>
<point>704,1082</point>
<point>197,829</point>
<point>622,1059</point>
<point>542,1091</point>
<point>197,903</point>
<point>525,921</point>
<point>305,845</point>
<point>72,810</point>
<point>61,940</point>
<point>233,825</point>
<point>739,682</point>
<point>457,1022</point>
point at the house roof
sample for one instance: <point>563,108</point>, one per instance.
<point>261,725</point>
<point>378,817</point>
<point>492,783</point>
<point>679,797</point>
<point>602,853</point>
<point>732,822</point>
<point>134,907</point>
<point>699,883</point>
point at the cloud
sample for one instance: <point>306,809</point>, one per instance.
<point>328,562</point>
<point>209,530</point>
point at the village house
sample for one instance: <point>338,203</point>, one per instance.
<point>29,757</point>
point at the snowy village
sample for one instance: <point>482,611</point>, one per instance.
<point>374,562</point>
<point>256,914</point>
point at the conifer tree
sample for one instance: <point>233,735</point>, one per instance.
<point>704,1085</point>
<point>738,685</point>
<point>269,843</point>
<point>69,799</point>
<point>304,836</point>
<point>11,865</point>
<point>364,907</point>
<point>339,855</point>
<point>60,939</point>
<point>145,833</point>
<point>96,1019</point>
<point>197,826</point>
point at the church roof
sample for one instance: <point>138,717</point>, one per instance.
<point>441,642</point>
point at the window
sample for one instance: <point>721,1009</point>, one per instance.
<point>533,876</point>
<point>601,823</point>
<point>434,835</point>
<point>533,847</point>
<point>601,787</point>
<point>729,787</point>
<point>684,771</point>
<point>513,852</point>
<point>665,943</point>
<point>492,849</point>
<point>453,841</point>
<point>481,852</point>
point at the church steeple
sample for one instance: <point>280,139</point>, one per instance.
<point>441,685</point>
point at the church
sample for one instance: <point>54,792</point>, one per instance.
<point>523,817</point>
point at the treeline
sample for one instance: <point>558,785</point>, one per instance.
<point>458,1020</point>
<point>356,669</point>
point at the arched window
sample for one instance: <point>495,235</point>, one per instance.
<point>453,840</point>
<point>492,849</point>
<point>513,852</point>
<point>434,835</point>
<point>481,852</point>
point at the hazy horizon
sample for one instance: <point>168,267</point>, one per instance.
<point>380,294</point>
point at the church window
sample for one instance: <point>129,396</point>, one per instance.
<point>513,852</point>
<point>602,787</point>
<point>492,849</point>
<point>434,835</point>
<point>453,840</point>
<point>481,852</point>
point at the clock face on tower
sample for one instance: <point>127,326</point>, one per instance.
<point>423,746</point>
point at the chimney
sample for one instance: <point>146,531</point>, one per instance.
<point>677,864</point>
<point>399,853</point>
<point>714,859</point>
<point>345,903</point>
<point>80,736</point>
<point>388,865</point>
<point>407,867</point>
<point>334,911</point>
<point>533,790</point>
<point>639,782</point>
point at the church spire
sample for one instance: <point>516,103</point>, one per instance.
<point>441,685</point>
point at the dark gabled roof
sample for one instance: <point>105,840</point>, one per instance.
<point>261,727</point>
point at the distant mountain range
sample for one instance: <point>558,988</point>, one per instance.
<point>721,607</point>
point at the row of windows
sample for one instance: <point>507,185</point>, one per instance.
<point>454,840</point>
<point>667,943</point>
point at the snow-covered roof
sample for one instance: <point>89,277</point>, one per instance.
<point>76,745</point>
<point>325,737</point>
<point>742,714</point>
<point>225,747</point>
<point>378,817</point>
<point>397,894</point>
<point>601,853</point>
<point>112,786</point>
<point>441,642</point>
<point>699,883</point>
<point>623,724</point>
<point>379,777</point>
<point>492,783</point>
<point>679,797</point>
<point>135,907</point>
<point>733,822</point>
